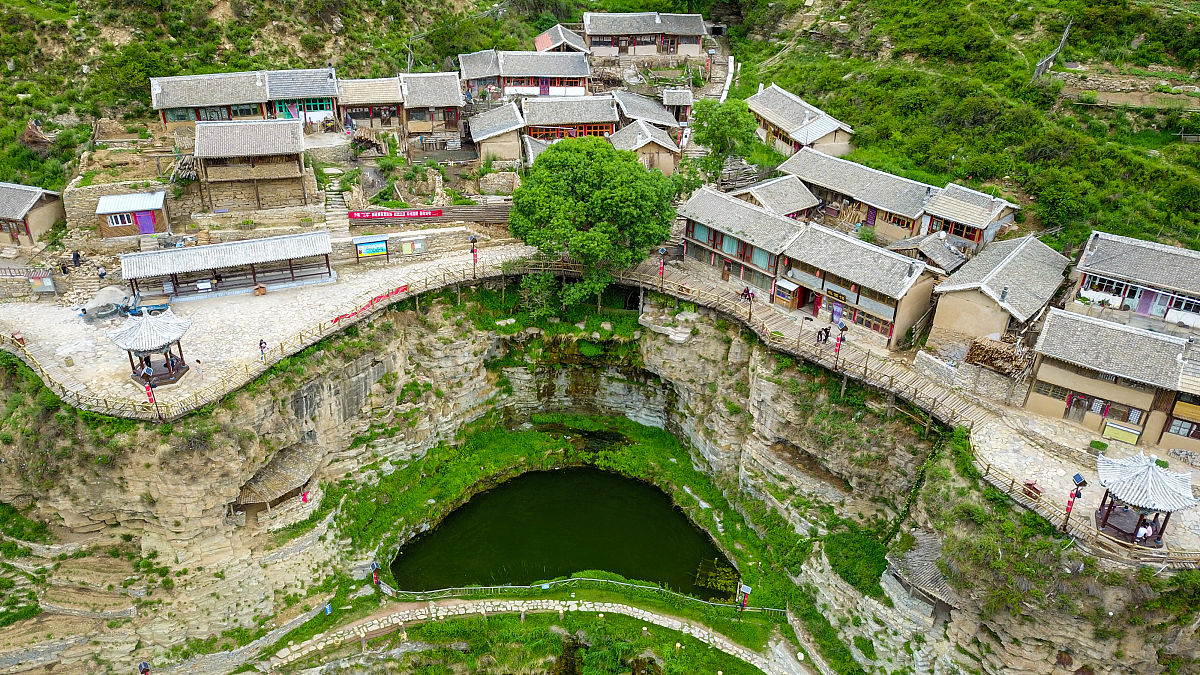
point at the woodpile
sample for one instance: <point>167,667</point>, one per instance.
<point>366,139</point>
<point>185,169</point>
<point>1006,356</point>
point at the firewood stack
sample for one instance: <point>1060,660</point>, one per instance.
<point>1006,356</point>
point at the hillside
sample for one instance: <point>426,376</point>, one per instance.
<point>935,90</point>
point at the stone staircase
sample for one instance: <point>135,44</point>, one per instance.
<point>337,218</point>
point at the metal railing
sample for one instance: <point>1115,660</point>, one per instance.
<point>573,582</point>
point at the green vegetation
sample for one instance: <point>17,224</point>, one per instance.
<point>596,203</point>
<point>14,524</point>
<point>966,110</point>
<point>727,129</point>
<point>857,557</point>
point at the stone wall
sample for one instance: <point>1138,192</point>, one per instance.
<point>974,379</point>
<point>80,201</point>
<point>232,226</point>
<point>243,196</point>
<point>499,183</point>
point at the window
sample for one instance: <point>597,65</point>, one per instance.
<point>1123,413</point>
<point>955,229</point>
<point>730,245</point>
<point>806,268</point>
<point>603,41</point>
<point>214,114</point>
<point>758,279</point>
<point>877,297</point>
<point>1184,303</point>
<point>595,129</point>
<point>420,115</point>
<point>246,110</point>
<point>565,82</point>
<point>1102,285</point>
<point>647,39</point>
<point>180,115</point>
<point>1051,390</point>
<point>761,258</point>
<point>120,219</point>
<point>874,323</point>
<point>1184,428</point>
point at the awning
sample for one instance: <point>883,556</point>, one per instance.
<point>784,283</point>
<point>166,262</point>
<point>1139,481</point>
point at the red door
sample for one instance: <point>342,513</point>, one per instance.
<point>543,86</point>
<point>871,216</point>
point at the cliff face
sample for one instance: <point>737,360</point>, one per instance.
<point>392,389</point>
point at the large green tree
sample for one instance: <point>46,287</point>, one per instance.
<point>726,129</point>
<point>597,204</point>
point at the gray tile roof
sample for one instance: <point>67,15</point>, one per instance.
<point>146,333</point>
<point>168,261</point>
<point>782,195</point>
<point>549,111</point>
<point>16,200</point>
<point>250,138</point>
<point>870,186</point>
<point>128,203</point>
<point>493,63</point>
<point>1139,481</point>
<point>635,135</point>
<point>753,224</point>
<point>1030,271</point>
<point>533,147</point>
<point>307,83</point>
<point>1142,262</point>
<point>190,91</point>
<point>857,261</point>
<point>379,90</point>
<point>967,206</point>
<point>642,23</point>
<point>1112,348</point>
<point>431,90</point>
<point>557,35</point>
<point>804,122</point>
<point>638,107</point>
<point>498,120</point>
<point>677,97</point>
<point>934,247</point>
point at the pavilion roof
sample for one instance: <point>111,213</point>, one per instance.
<point>168,261</point>
<point>148,334</point>
<point>1139,481</point>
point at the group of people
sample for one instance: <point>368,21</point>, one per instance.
<point>1146,531</point>
<point>747,294</point>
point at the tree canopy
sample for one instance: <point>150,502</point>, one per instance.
<point>727,129</point>
<point>597,204</point>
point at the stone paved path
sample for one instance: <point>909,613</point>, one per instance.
<point>225,331</point>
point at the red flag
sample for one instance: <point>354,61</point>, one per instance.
<point>149,394</point>
<point>304,498</point>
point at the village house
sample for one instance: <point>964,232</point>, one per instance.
<point>27,212</point>
<point>183,100</point>
<point>570,117</point>
<point>835,276</point>
<point>852,193</point>
<point>787,123</point>
<point>1138,282</point>
<point>653,146</point>
<point>433,105</point>
<point>251,164</point>
<point>497,133</point>
<point>740,239</point>
<point>679,102</point>
<point>309,94</point>
<point>492,74</point>
<point>636,107</point>
<point>373,103</point>
<point>932,250</point>
<point>1117,380</point>
<point>643,33</point>
<point>970,218</point>
<point>126,215</point>
<point>1003,289</point>
<point>785,195</point>
<point>559,38</point>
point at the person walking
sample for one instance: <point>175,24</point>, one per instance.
<point>101,272</point>
<point>262,348</point>
<point>75,257</point>
<point>196,367</point>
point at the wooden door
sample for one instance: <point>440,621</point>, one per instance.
<point>145,222</point>
<point>623,46</point>
<point>725,267</point>
<point>543,86</point>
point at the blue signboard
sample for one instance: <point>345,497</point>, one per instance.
<point>367,249</point>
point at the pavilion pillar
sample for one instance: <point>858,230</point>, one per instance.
<point>1108,511</point>
<point>257,198</point>
<point>328,269</point>
<point>132,368</point>
<point>291,269</point>
<point>253,275</point>
<point>1164,525</point>
<point>179,346</point>
<point>1140,521</point>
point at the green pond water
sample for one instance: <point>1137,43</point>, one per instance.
<point>548,524</point>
